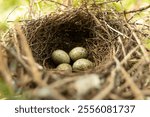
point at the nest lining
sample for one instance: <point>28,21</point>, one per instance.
<point>73,28</point>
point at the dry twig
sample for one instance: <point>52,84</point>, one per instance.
<point>4,70</point>
<point>36,74</point>
<point>136,91</point>
<point>110,80</point>
<point>138,10</point>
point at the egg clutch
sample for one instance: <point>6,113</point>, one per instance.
<point>77,55</point>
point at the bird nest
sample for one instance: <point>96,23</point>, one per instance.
<point>121,62</point>
<point>76,27</point>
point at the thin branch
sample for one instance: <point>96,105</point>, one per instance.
<point>122,46</point>
<point>62,82</point>
<point>111,80</point>
<point>138,10</point>
<point>129,55</point>
<point>145,53</point>
<point>36,74</point>
<point>11,12</point>
<point>114,96</point>
<point>4,71</point>
<point>136,91</point>
<point>117,31</point>
<point>19,59</point>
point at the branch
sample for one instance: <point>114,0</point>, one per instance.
<point>4,70</point>
<point>111,80</point>
<point>138,10</point>
<point>36,74</point>
<point>135,90</point>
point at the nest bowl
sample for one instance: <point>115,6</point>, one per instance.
<point>76,27</point>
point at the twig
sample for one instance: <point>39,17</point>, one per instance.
<point>145,53</point>
<point>136,23</point>
<point>19,59</point>
<point>146,92</point>
<point>122,46</point>
<point>24,20</point>
<point>129,55</point>
<point>136,91</point>
<point>11,12</point>
<point>138,65</point>
<point>56,95</point>
<point>114,96</point>
<point>62,82</point>
<point>102,94</point>
<point>98,22</point>
<point>36,74</point>
<point>5,71</point>
<point>138,10</point>
<point>122,87</point>
<point>127,95</point>
<point>31,3</point>
<point>117,31</point>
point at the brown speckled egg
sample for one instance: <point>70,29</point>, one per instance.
<point>60,56</point>
<point>82,64</point>
<point>78,53</point>
<point>64,67</point>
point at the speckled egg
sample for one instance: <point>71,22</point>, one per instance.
<point>82,64</point>
<point>60,56</point>
<point>64,67</point>
<point>78,53</point>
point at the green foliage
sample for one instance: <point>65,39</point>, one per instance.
<point>76,3</point>
<point>128,3</point>
<point>7,4</point>
<point>146,1</point>
<point>3,26</point>
<point>4,90</point>
<point>7,94</point>
<point>45,7</point>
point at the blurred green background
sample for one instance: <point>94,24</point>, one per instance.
<point>14,9</point>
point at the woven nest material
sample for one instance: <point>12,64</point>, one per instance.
<point>76,27</point>
<point>122,66</point>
